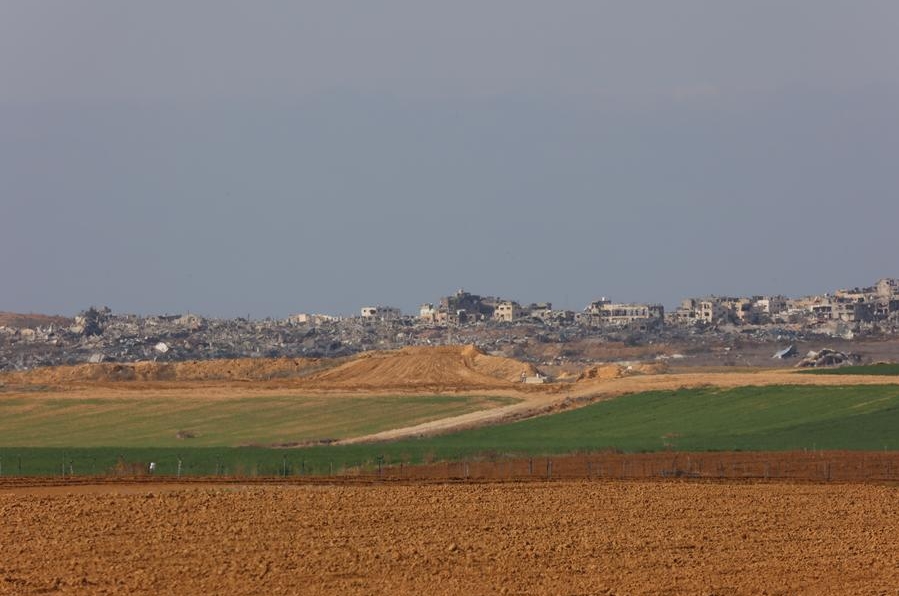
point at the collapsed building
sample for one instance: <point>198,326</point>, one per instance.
<point>605,312</point>
<point>380,313</point>
<point>712,310</point>
<point>98,335</point>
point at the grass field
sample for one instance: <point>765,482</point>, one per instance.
<point>41,421</point>
<point>883,369</point>
<point>749,418</point>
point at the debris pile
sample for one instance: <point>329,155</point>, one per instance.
<point>828,357</point>
<point>98,335</point>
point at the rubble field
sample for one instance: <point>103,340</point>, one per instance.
<point>565,537</point>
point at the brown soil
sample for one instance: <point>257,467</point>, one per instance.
<point>31,320</point>
<point>605,372</point>
<point>570,537</point>
<point>244,369</point>
<point>448,366</point>
<point>451,367</point>
<point>811,466</point>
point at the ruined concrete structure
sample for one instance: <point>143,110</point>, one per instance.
<point>606,312</point>
<point>713,310</point>
<point>311,319</point>
<point>507,311</point>
<point>98,335</point>
<point>380,313</point>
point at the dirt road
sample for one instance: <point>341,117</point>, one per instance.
<point>572,395</point>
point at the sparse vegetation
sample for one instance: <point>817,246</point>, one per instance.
<point>203,421</point>
<point>882,369</point>
<point>706,419</point>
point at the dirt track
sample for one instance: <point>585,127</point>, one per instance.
<point>570,395</point>
<point>411,371</point>
<point>546,538</point>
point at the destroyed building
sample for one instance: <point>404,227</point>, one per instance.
<point>381,313</point>
<point>605,312</point>
<point>99,335</point>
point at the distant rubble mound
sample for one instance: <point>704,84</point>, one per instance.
<point>827,357</point>
<point>607,372</point>
<point>243,369</point>
<point>463,367</point>
<point>29,321</point>
<point>443,366</point>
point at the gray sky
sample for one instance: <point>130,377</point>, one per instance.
<point>275,157</point>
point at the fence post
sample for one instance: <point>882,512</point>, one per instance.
<point>179,467</point>
<point>549,468</point>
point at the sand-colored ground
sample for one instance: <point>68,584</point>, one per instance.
<point>243,369</point>
<point>631,537</point>
<point>447,367</point>
<point>452,367</point>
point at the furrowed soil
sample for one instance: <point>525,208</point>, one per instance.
<point>560,537</point>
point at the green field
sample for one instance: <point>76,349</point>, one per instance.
<point>45,421</point>
<point>749,418</point>
<point>883,369</point>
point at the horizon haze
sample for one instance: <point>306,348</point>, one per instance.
<point>270,158</point>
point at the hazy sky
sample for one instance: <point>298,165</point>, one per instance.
<point>275,157</point>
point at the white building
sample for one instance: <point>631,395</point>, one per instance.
<point>381,313</point>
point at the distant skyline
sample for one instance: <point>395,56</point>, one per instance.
<point>228,158</point>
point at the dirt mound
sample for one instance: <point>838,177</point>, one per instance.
<point>31,320</point>
<point>607,372</point>
<point>445,366</point>
<point>245,369</point>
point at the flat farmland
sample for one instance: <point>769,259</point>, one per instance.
<point>614,537</point>
<point>75,434</point>
<point>191,419</point>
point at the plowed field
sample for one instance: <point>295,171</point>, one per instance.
<point>617,537</point>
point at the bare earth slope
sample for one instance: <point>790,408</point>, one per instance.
<point>245,369</point>
<point>22,320</point>
<point>509,538</point>
<point>448,367</point>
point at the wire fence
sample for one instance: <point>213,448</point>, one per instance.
<point>818,466</point>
